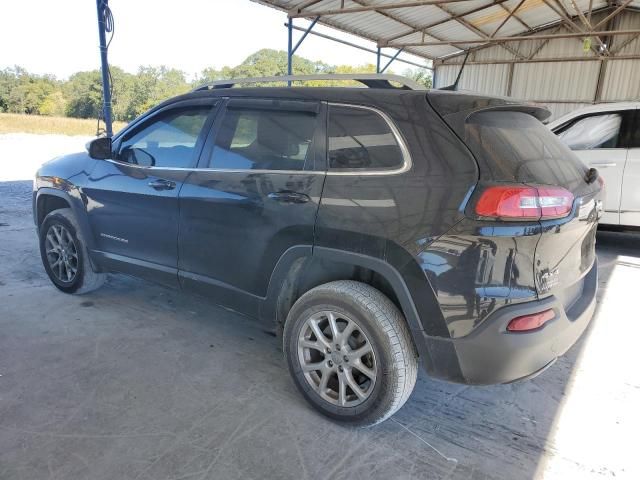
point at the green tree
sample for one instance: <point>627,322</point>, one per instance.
<point>54,104</point>
<point>421,75</point>
<point>153,85</point>
<point>264,63</point>
<point>84,93</point>
<point>21,92</point>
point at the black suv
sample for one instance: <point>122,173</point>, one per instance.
<point>374,228</point>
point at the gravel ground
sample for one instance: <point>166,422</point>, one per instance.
<point>135,381</point>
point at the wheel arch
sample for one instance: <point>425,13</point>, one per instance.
<point>49,199</point>
<point>302,268</point>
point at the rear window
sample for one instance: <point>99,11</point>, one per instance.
<point>360,138</point>
<point>514,146</point>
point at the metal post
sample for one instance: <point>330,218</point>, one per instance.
<point>390,61</point>
<point>290,50</point>
<point>106,88</point>
<point>378,61</point>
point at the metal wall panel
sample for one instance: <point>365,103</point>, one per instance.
<point>565,86</point>
<point>488,79</point>
<point>621,81</point>
<point>555,81</point>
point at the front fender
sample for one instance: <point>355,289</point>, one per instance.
<point>73,197</point>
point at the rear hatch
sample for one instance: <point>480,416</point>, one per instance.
<point>513,148</point>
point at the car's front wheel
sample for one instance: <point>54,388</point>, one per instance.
<point>350,353</point>
<point>64,255</point>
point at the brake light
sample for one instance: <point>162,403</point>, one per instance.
<point>530,322</point>
<point>524,203</point>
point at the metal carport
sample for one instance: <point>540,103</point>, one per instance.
<point>560,53</point>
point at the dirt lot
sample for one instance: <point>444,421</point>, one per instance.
<point>138,382</point>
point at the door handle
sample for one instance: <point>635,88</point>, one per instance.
<point>162,184</point>
<point>603,165</point>
<point>286,196</point>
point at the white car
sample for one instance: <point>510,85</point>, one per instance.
<point>607,137</point>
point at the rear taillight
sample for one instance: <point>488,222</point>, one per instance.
<point>530,322</point>
<point>524,203</point>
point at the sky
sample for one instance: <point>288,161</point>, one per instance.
<point>61,37</point>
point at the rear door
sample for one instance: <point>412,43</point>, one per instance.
<point>132,199</point>
<point>598,139</point>
<point>630,200</point>
<point>254,195</point>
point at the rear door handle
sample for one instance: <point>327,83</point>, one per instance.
<point>162,184</point>
<point>286,196</point>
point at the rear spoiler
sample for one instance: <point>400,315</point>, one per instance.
<point>456,107</point>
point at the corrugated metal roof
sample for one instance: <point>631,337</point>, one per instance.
<point>434,21</point>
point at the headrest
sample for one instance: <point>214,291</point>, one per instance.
<point>274,135</point>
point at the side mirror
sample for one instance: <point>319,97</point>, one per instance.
<point>100,148</point>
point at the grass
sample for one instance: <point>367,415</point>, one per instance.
<point>18,123</point>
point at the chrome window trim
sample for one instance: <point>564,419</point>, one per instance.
<point>223,170</point>
<point>405,167</point>
<point>407,162</point>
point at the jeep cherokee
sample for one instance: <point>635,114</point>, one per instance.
<point>374,228</point>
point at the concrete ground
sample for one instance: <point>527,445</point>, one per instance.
<point>135,381</point>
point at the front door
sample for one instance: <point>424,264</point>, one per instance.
<point>630,201</point>
<point>132,200</point>
<point>254,196</point>
<point>599,141</point>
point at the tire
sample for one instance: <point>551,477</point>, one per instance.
<point>384,375</point>
<point>62,228</point>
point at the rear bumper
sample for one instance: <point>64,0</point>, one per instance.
<point>492,355</point>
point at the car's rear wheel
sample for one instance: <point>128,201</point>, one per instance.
<point>350,353</point>
<point>64,254</point>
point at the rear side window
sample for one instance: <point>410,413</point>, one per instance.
<point>634,131</point>
<point>592,132</point>
<point>514,146</point>
<point>360,138</point>
<point>264,139</point>
<point>168,141</point>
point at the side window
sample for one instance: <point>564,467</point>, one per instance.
<point>594,131</point>
<point>266,139</point>
<point>360,138</point>
<point>634,134</point>
<point>168,141</point>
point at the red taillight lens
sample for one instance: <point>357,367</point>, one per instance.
<point>530,322</point>
<point>511,202</point>
<point>524,203</point>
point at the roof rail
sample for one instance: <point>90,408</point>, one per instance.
<point>371,80</point>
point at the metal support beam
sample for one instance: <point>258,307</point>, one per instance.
<point>390,61</point>
<point>424,28</point>
<point>290,48</point>
<point>367,8</point>
<point>517,38</point>
<point>511,14</point>
<point>359,47</point>
<point>621,7</point>
<point>104,63</point>
<point>304,35</point>
<point>378,61</point>
<point>542,60</point>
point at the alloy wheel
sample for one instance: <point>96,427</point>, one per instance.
<point>62,253</point>
<point>337,359</point>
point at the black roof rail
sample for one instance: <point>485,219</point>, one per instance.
<point>371,80</point>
